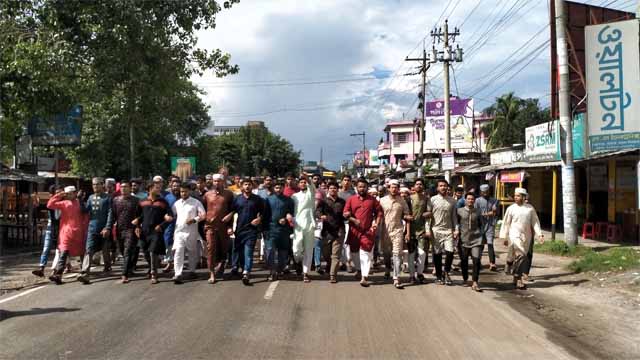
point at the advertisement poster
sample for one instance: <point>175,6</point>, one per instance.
<point>183,167</point>
<point>461,111</point>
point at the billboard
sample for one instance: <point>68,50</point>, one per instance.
<point>183,167</point>
<point>57,130</point>
<point>613,85</point>
<point>578,16</point>
<point>461,111</point>
<point>374,160</point>
<point>543,140</point>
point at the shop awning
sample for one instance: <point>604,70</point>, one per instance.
<point>602,155</point>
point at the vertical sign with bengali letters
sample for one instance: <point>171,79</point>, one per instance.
<point>613,85</point>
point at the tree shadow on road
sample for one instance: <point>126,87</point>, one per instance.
<point>6,314</point>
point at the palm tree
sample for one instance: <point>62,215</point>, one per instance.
<point>505,129</point>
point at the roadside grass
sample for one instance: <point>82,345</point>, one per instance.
<point>614,259</point>
<point>587,259</point>
<point>560,248</point>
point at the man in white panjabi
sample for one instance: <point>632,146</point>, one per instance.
<point>188,211</point>
<point>305,225</point>
<point>519,224</point>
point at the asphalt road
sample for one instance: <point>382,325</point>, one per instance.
<point>286,319</point>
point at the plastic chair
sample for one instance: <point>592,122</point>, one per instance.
<point>601,229</point>
<point>588,230</point>
<point>614,232</point>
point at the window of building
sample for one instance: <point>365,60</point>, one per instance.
<point>400,138</point>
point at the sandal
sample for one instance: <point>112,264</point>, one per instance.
<point>397,284</point>
<point>305,278</point>
<point>332,279</point>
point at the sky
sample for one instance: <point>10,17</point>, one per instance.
<point>317,71</point>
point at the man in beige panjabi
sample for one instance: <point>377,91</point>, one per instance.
<point>394,236</point>
<point>443,228</point>
<point>519,225</point>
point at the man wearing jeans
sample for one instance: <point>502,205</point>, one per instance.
<point>251,210</point>
<point>50,235</point>
<point>279,221</point>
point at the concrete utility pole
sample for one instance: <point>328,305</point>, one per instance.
<point>446,56</point>
<point>364,150</point>
<point>423,70</point>
<point>566,136</point>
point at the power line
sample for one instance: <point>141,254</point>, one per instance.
<point>301,83</point>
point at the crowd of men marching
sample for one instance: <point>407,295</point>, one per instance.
<point>299,224</point>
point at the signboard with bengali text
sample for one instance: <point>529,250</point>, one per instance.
<point>613,85</point>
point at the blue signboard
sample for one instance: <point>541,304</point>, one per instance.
<point>57,130</point>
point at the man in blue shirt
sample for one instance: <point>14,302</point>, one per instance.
<point>171,198</point>
<point>488,206</point>
<point>251,210</point>
<point>137,189</point>
<point>100,221</point>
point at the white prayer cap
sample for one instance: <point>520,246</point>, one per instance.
<point>372,190</point>
<point>157,178</point>
<point>521,191</point>
<point>394,182</point>
<point>217,177</point>
<point>484,187</point>
<point>109,181</point>
<point>404,189</point>
<point>69,189</point>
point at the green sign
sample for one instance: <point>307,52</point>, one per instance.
<point>183,167</point>
<point>542,140</point>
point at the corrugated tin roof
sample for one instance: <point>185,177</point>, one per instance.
<point>7,174</point>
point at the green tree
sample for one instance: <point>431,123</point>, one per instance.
<point>251,151</point>
<point>127,61</point>
<point>511,116</point>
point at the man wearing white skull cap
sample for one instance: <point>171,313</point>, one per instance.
<point>519,225</point>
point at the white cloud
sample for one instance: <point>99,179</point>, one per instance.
<point>325,40</point>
